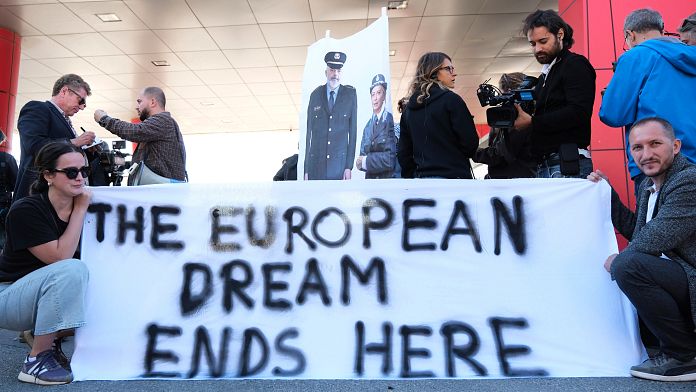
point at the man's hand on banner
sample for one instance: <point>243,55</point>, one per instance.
<point>597,176</point>
<point>607,264</point>
<point>346,174</point>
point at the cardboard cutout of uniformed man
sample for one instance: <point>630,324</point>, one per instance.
<point>378,145</point>
<point>331,126</point>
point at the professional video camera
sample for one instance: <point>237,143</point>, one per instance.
<point>504,113</point>
<point>108,165</point>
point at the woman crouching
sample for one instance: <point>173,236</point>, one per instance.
<point>42,282</point>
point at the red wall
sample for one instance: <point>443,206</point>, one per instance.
<point>598,33</point>
<point>9,73</point>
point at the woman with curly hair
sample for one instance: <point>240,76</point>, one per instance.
<point>437,130</point>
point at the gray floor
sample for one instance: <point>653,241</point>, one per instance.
<point>12,353</point>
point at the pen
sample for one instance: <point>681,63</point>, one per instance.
<point>83,129</point>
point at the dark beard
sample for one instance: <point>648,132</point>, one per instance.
<point>548,57</point>
<point>144,114</point>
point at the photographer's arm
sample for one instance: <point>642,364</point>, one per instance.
<point>149,130</point>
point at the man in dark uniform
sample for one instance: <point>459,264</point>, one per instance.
<point>378,146</point>
<point>331,126</point>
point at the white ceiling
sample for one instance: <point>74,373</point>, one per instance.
<point>236,65</point>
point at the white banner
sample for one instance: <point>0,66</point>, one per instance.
<point>378,279</point>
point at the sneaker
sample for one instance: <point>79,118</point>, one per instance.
<point>60,355</point>
<point>664,368</point>
<point>44,370</point>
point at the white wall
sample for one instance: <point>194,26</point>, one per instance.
<point>230,157</point>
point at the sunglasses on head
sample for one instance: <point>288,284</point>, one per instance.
<point>71,172</point>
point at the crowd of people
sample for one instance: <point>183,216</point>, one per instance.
<point>42,280</point>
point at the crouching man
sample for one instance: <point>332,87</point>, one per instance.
<point>657,270</point>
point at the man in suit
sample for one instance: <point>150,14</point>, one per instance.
<point>565,93</point>
<point>378,146</point>
<point>657,270</point>
<point>40,123</point>
<point>331,125</point>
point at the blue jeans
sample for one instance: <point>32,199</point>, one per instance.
<point>47,300</point>
<point>551,168</point>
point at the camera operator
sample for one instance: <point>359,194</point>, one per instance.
<point>507,154</point>
<point>560,124</point>
<point>654,77</point>
<point>160,145</point>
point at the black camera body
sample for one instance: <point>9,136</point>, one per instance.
<point>503,113</point>
<point>108,165</point>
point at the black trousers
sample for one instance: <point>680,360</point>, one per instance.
<point>659,289</point>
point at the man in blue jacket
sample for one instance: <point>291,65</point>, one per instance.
<point>656,77</point>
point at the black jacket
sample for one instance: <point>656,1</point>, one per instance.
<point>39,123</point>
<point>437,136</point>
<point>507,154</point>
<point>564,102</point>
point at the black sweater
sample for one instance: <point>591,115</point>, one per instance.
<point>437,136</point>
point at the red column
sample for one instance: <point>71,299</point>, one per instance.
<point>10,48</point>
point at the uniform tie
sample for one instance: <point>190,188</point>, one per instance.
<point>331,100</point>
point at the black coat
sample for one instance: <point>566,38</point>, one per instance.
<point>564,103</point>
<point>39,123</point>
<point>331,135</point>
<point>507,154</point>
<point>438,136</point>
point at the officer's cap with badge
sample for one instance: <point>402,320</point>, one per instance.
<point>335,60</point>
<point>377,81</point>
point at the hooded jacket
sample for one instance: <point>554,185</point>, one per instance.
<point>654,79</point>
<point>438,136</point>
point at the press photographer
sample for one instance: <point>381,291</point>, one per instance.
<point>560,124</point>
<point>507,154</point>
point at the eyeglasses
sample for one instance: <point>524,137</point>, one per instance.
<point>71,172</point>
<point>449,69</point>
<point>627,34</point>
<point>683,28</point>
<point>82,100</point>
